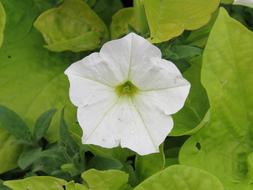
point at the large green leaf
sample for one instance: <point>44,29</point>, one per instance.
<point>224,146</point>
<point>37,183</point>
<point>2,23</point>
<point>72,26</point>
<point>31,78</point>
<point>179,177</point>
<point>194,114</point>
<point>105,180</point>
<point>168,19</point>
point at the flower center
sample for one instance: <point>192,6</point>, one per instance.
<point>126,89</point>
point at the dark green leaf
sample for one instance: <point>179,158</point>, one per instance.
<point>66,140</point>
<point>42,124</point>
<point>11,122</point>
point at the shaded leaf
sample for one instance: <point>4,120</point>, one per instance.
<point>106,8</point>
<point>194,114</point>
<point>42,124</point>
<point>11,122</point>
<point>147,165</point>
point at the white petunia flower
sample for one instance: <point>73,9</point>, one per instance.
<point>125,95</point>
<point>248,3</point>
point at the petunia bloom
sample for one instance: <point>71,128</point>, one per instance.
<point>126,94</point>
<point>248,3</point>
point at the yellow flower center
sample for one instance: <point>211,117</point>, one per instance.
<point>126,89</point>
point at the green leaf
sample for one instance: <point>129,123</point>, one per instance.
<point>224,146</point>
<point>101,163</point>
<point>2,23</point>
<point>37,183</point>
<point>28,156</point>
<point>12,123</point>
<point>106,180</point>
<point>140,17</point>
<point>179,177</point>
<point>168,19</point>
<point>227,1</point>
<point>147,165</point>
<point>32,79</point>
<point>117,153</point>
<point>194,114</point>
<point>66,140</point>
<point>199,37</point>
<point>72,26</point>
<point>42,124</point>
<point>9,151</point>
<point>106,8</point>
<point>75,186</point>
<point>121,21</point>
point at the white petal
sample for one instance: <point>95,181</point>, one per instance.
<point>84,91</point>
<point>91,118</point>
<point>129,50</point>
<point>125,125</point>
<point>94,68</point>
<point>248,3</point>
<point>157,123</point>
<point>168,101</point>
<point>158,74</point>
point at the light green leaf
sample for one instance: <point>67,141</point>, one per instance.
<point>122,21</point>
<point>168,19</point>
<point>179,177</point>
<point>72,26</point>
<point>224,146</point>
<point>194,114</point>
<point>75,186</point>
<point>31,78</point>
<point>37,183</point>
<point>2,23</point>
<point>106,180</point>
<point>147,165</point>
<point>9,151</point>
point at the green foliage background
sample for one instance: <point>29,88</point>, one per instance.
<point>211,145</point>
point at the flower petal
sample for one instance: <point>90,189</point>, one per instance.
<point>84,91</point>
<point>124,125</point>
<point>157,75</point>
<point>94,68</point>
<point>168,101</point>
<point>129,50</point>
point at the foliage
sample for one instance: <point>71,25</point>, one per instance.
<point>210,146</point>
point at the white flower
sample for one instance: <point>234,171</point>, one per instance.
<point>125,95</point>
<point>248,3</point>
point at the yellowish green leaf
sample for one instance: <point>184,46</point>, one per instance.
<point>168,19</point>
